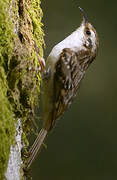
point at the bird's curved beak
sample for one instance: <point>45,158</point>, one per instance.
<point>85,20</point>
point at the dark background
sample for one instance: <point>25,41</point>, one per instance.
<point>83,145</point>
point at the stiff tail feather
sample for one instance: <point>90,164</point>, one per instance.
<point>35,148</point>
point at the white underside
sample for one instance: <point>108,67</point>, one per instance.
<point>73,41</point>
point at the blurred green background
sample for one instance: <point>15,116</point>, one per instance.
<point>83,145</point>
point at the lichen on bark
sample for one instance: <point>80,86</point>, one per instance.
<point>20,28</point>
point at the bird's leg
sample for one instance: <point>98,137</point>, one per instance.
<point>41,60</point>
<point>45,73</point>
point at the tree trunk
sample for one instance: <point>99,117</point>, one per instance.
<point>20,31</point>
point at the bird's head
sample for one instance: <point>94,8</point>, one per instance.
<point>89,35</point>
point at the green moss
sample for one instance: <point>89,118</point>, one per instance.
<point>30,32</point>
<point>35,13</point>
<point>19,75</point>
<point>23,76</point>
<point>6,125</point>
<point>7,129</point>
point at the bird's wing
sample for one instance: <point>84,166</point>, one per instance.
<point>67,77</point>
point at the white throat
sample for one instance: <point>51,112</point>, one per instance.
<point>73,41</point>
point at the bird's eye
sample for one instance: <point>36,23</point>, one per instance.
<point>88,32</point>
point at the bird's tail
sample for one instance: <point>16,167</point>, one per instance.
<point>35,148</point>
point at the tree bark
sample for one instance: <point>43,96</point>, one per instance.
<point>15,162</point>
<point>20,30</point>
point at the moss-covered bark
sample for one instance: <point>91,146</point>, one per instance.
<point>20,28</point>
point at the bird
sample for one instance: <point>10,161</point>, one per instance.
<point>64,70</point>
